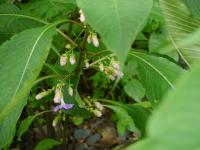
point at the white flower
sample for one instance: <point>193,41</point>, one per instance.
<point>82,16</point>
<point>111,77</point>
<point>101,67</point>
<point>70,91</point>
<point>63,60</point>
<point>95,40</point>
<point>72,59</point>
<point>41,95</point>
<point>58,95</point>
<point>97,113</point>
<point>116,65</point>
<point>99,106</point>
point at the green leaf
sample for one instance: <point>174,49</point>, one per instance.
<point>48,9</point>
<point>175,124</point>
<point>21,60</point>
<point>46,144</point>
<point>11,23</point>
<point>157,74</point>
<point>111,18</point>
<point>134,89</point>
<point>138,113</point>
<point>125,121</point>
<point>193,6</point>
<point>24,126</point>
<point>157,41</point>
<point>181,25</point>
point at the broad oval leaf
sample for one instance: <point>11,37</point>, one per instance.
<point>117,21</point>
<point>175,124</point>
<point>157,74</point>
<point>21,60</point>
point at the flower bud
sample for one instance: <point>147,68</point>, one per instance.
<point>97,113</point>
<point>99,106</point>
<point>82,16</point>
<point>95,40</point>
<point>72,60</point>
<point>70,91</point>
<point>63,60</point>
<point>89,40</point>
<point>101,67</point>
<point>55,122</point>
<point>87,65</point>
<point>41,95</point>
<point>68,46</point>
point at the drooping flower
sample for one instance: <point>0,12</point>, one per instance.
<point>63,60</point>
<point>97,113</point>
<point>99,106</point>
<point>72,59</point>
<point>70,91</point>
<point>89,39</point>
<point>87,65</point>
<point>82,16</point>
<point>58,94</point>
<point>63,106</point>
<point>101,67</point>
<point>95,40</point>
<point>41,95</point>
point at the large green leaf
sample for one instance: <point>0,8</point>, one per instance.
<point>157,74</point>
<point>12,23</point>
<point>117,21</point>
<point>181,25</point>
<point>21,60</point>
<point>175,124</point>
<point>193,6</point>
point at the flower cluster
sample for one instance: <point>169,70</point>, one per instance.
<point>112,70</point>
<point>93,38</point>
<point>58,97</point>
<point>82,16</point>
<point>69,56</point>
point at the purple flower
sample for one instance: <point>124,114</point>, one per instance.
<point>63,106</point>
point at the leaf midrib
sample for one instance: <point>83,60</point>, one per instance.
<point>154,68</point>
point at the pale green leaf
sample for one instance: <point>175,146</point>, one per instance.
<point>21,60</point>
<point>117,21</point>
<point>175,124</point>
<point>46,144</point>
<point>157,74</point>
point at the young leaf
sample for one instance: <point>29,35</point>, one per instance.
<point>46,144</point>
<point>111,18</point>
<point>21,60</point>
<point>157,74</point>
<point>175,124</point>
